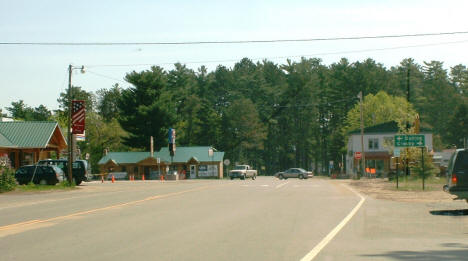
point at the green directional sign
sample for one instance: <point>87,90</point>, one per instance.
<point>411,140</point>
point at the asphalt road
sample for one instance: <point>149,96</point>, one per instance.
<point>264,219</point>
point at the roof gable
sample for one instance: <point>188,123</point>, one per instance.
<point>28,134</point>
<point>4,142</point>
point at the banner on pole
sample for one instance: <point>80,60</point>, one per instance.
<point>78,116</point>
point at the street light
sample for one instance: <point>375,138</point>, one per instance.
<point>70,139</point>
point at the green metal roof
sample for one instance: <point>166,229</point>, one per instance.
<point>386,127</point>
<point>182,155</point>
<point>27,134</point>
<point>124,157</point>
<point>4,142</point>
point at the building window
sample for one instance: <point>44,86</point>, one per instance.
<point>124,169</point>
<point>373,144</point>
<point>135,170</point>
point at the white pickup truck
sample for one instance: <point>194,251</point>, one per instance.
<point>243,172</point>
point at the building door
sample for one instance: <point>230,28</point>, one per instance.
<point>193,173</point>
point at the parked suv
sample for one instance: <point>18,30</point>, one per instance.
<point>79,170</point>
<point>44,175</point>
<point>457,174</point>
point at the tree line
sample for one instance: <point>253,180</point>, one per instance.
<point>271,116</point>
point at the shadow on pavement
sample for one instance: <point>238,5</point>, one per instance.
<point>455,212</point>
<point>459,253</point>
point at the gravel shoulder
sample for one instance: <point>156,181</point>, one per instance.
<point>382,189</point>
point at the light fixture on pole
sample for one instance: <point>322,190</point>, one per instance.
<point>70,138</point>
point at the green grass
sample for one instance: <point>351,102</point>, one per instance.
<point>413,184</point>
<point>33,187</point>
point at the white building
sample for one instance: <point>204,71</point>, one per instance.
<point>378,145</point>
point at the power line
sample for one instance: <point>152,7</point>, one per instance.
<point>284,57</point>
<point>105,76</point>
<point>237,41</point>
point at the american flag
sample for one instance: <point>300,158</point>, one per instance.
<point>78,117</point>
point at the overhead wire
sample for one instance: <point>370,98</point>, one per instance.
<point>283,57</point>
<point>239,41</point>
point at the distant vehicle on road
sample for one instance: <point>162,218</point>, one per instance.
<point>294,173</point>
<point>243,172</point>
<point>79,169</point>
<point>44,175</point>
<point>457,175</point>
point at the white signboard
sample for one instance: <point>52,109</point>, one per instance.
<point>207,170</point>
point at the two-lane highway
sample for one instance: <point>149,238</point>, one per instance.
<point>264,219</point>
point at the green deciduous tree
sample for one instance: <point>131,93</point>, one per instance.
<point>381,108</point>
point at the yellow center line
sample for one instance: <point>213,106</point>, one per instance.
<point>81,213</point>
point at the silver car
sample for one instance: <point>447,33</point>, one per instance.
<point>294,173</point>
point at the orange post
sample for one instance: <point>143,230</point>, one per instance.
<point>113,179</point>
<point>143,177</point>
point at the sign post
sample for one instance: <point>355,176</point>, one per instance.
<point>412,140</point>
<point>172,146</point>
<point>158,160</point>
<point>210,154</point>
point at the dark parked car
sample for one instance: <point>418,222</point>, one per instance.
<point>44,175</point>
<point>457,174</point>
<point>294,173</point>
<point>79,169</point>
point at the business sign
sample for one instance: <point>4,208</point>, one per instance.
<point>207,170</point>
<point>78,116</point>
<point>227,162</point>
<point>411,140</point>
<point>396,152</point>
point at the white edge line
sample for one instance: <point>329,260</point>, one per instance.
<point>280,185</point>
<point>314,252</point>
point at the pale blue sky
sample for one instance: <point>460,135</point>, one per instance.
<point>37,74</point>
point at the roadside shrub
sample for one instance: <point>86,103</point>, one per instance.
<point>429,169</point>
<point>7,179</point>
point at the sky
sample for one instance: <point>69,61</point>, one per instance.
<point>38,74</point>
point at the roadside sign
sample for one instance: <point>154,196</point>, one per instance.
<point>158,160</point>
<point>396,152</point>
<point>227,162</point>
<point>357,155</point>
<point>411,140</point>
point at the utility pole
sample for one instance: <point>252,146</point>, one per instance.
<point>69,132</point>
<point>363,155</point>
<point>407,111</point>
<point>70,140</point>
